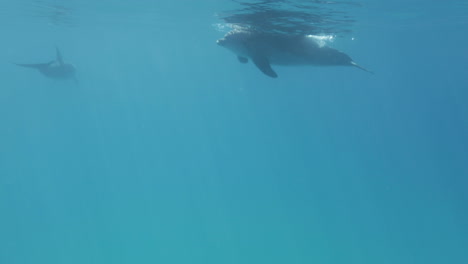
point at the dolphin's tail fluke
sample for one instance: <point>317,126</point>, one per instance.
<point>360,67</point>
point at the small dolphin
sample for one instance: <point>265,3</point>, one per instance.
<point>266,49</point>
<point>55,69</point>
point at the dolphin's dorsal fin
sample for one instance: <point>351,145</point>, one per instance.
<point>264,65</point>
<point>59,56</point>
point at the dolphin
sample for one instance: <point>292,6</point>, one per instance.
<point>56,69</point>
<point>266,49</point>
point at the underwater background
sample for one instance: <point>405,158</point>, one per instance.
<point>169,150</point>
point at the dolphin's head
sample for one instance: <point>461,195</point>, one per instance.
<point>230,40</point>
<point>235,41</point>
<point>221,42</point>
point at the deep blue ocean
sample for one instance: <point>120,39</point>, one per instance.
<point>168,150</point>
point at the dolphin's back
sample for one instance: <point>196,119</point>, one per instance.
<point>52,69</point>
<point>300,50</point>
<point>37,66</point>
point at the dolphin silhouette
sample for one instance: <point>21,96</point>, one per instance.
<point>55,69</point>
<point>266,49</point>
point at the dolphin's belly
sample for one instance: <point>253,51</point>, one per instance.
<point>285,58</point>
<point>58,72</point>
<point>314,56</point>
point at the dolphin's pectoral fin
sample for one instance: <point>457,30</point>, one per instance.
<point>264,65</point>
<point>242,59</point>
<point>59,56</point>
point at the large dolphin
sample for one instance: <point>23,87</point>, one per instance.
<point>266,49</point>
<point>56,69</point>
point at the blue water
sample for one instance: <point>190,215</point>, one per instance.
<point>171,151</point>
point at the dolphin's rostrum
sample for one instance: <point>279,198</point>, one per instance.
<point>266,49</point>
<point>55,69</point>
